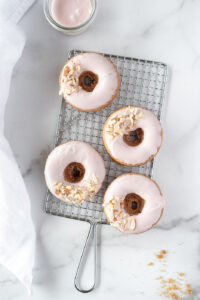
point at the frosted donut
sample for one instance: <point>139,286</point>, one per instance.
<point>132,135</point>
<point>74,172</point>
<point>89,81</point>
<point>133,203</point>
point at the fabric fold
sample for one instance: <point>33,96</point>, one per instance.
<point>17,233</point>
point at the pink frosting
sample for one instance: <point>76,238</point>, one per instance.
<point>73,151</point>
<point>135,154</point>
<point>145,188</point>
<point>106,86</point>
<point>71,13</point>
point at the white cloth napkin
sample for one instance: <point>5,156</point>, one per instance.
<point>17,233</point>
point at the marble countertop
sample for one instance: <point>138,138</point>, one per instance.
<point>167,31</point>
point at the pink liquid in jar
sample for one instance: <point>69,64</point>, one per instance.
<point>71,13</point>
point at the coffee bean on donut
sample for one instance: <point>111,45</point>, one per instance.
<point>74,172</point>
<point>88,80</point>
<point>134,138</point>
<point>133,204</point>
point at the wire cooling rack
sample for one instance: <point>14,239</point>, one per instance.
<point>142,83</point>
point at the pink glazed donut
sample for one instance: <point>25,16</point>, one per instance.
<point>74,172</point>
<point>89,82</point>
<point>132,135</point>
<point>133,203</point>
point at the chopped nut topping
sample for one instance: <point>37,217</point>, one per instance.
<point>70,82</point>
<point>118,217</point>
<point>123,124</point>
<point>77,194</point>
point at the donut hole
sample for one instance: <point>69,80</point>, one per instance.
<point>88,80</point>
<point>134,137</point>
<point>133,204</point>
<point>74,172</point>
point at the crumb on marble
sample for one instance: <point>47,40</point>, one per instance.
<point>189,291</point>
<point>181,274</point>
<point>174,287</point>
<point>161,254</point>
<point>173,295</point>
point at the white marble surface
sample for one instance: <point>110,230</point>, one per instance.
<point>168,31</point>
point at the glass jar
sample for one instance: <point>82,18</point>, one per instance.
<point>70,30</point>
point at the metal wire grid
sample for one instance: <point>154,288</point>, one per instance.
<point>143,84</point>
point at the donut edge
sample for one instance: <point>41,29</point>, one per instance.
<point>136,223</point>
<point>121,162</point>
<point>113,96</point>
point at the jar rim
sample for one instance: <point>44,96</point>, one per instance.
<point>47,12</point>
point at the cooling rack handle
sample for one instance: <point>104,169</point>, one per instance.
<point>92,237</point>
